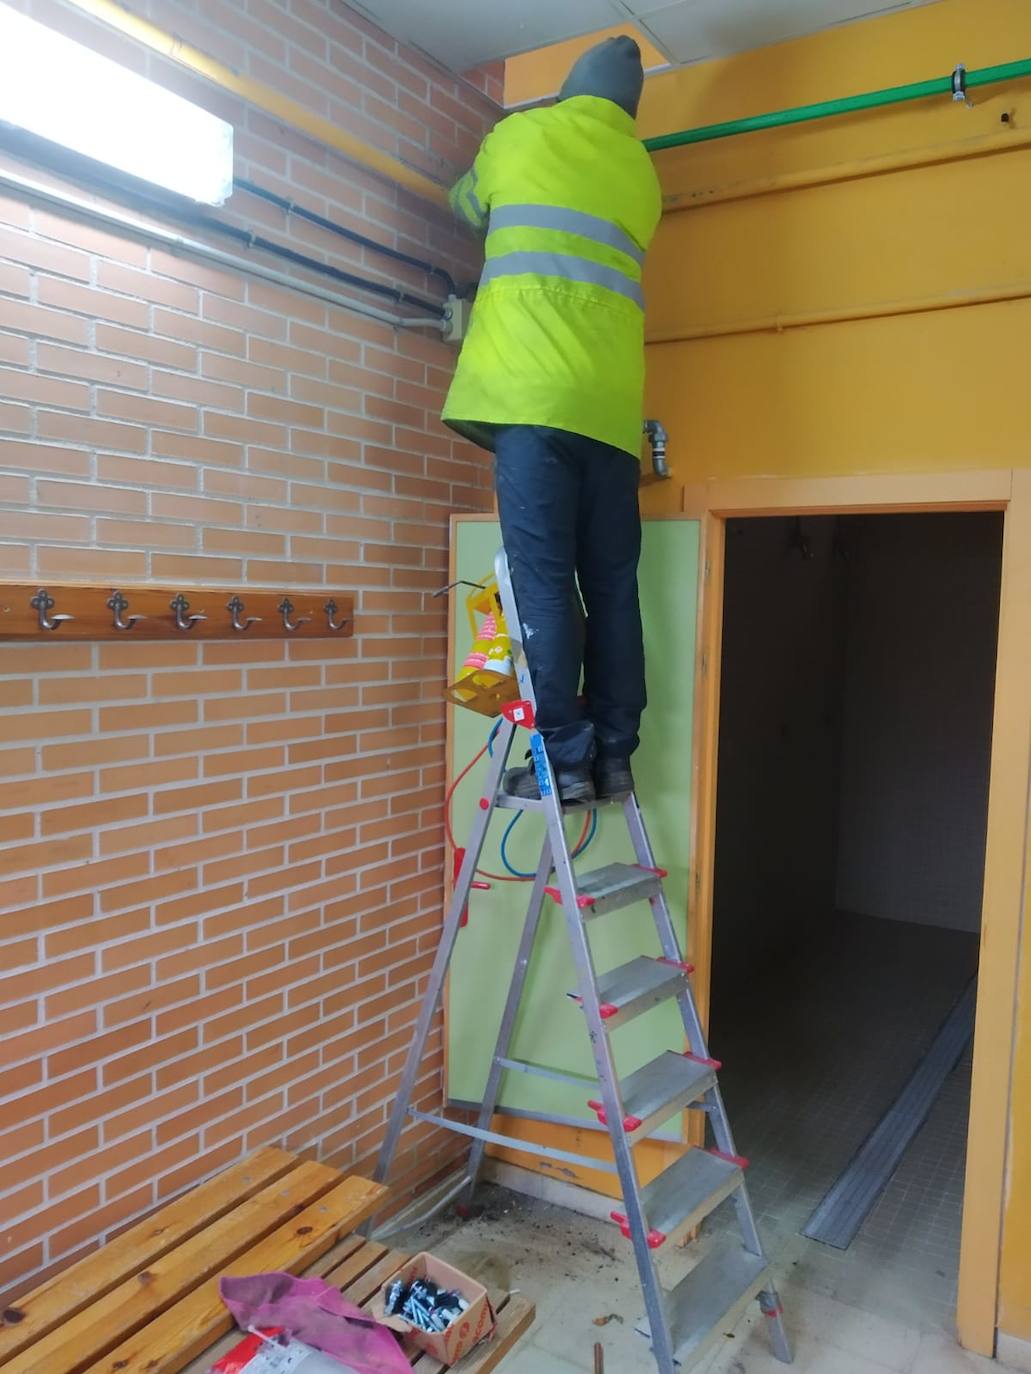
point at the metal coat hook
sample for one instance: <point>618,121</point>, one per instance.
<point>180,605</point>
<point>117,604</point>
<point>286,610</point>
<point>331,609</point>
<point>43,603</point>
<point>235,608</point>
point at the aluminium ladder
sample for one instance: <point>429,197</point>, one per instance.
<point>681,1323</point>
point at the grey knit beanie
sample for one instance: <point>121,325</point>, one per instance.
<point>612,70</point>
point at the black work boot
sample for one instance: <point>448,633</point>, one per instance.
<point>574,784</point>
<point>612,776</point>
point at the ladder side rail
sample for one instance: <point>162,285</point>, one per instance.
<point>608,1080</point>
<point>506,1029</point>
<point>663,918</point>
<point>717,1113</point>
<point>515,627</point>
<point>445,949</point>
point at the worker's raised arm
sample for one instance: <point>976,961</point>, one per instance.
<point>465,201</point>
<point>470,196</point>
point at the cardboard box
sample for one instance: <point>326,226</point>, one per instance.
<point>475,1324</point>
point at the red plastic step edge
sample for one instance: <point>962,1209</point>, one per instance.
<point>654,1238</point>
<point>630,1123</point>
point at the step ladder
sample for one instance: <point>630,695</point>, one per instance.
<point>681,1323</point>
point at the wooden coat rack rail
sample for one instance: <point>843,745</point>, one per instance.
<point>58,611</point>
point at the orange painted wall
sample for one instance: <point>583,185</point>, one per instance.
<point>824,221</point>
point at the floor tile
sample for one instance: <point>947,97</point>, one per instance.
<point>530,1359</point>
<point>1016,1353</point>
<point>939,1355</point>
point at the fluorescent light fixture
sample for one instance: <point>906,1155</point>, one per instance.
<point>56,88</point>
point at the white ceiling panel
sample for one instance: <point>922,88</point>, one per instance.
<point>466,33</point>
<point>692,30</point>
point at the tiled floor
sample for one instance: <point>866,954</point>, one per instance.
<point>802,1105</point>
<point>854,1015</point>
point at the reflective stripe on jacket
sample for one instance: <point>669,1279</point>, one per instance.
<point>570,201</point>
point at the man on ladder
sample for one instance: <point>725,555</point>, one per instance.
<point>551,378</point>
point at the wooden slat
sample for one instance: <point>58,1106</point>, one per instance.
<point>92,618</point>
<point>332,1259</point>
<point>62,1297</point>
<point>343,1275</point>
<point>514,1320</point>
<point>75,1345</point>
<point>168,1344</point>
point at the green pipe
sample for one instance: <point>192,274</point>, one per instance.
<point>824,109</point>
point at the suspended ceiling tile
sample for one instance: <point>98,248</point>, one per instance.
<point>465,33</point>
<point>692,30</point>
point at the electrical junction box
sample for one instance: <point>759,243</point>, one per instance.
<point>456,319</point>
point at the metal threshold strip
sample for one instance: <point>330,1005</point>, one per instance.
<point>837,1219</point>
<point>955,86</point>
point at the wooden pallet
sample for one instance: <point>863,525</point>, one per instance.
<point>148,1302</point>
<point>360,1268</point>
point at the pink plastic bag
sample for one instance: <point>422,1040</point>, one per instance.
<point>318,1314</point>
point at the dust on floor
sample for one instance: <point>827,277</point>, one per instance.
<point>580,1274</point>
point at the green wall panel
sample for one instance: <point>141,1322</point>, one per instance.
<point>550,1028</point>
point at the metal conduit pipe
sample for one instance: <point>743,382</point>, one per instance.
<point>309,216</point>
<point>955,85</point>
<point>323,269</point>
<point>179,243</point>
<point>112,188</point>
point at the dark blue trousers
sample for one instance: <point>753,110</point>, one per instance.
<point>569,512</point>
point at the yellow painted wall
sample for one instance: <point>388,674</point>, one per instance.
<point>919,392</point>
<point>927,383</point>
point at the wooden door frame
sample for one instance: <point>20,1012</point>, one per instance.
<point>1007,836</point>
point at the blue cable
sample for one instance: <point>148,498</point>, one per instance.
<point>517,872</point>
<point>590,835</point>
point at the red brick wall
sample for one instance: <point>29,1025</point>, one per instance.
<point>220,865</point>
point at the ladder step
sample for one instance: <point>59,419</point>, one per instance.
<point>653,1093</point>
<point>628,991</point>
<point>506,803</point>
<point>684,1194</point>
<point>613,887</point>
<point>709,1300</point>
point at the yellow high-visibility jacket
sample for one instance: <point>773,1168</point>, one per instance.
<point>570,200</point>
